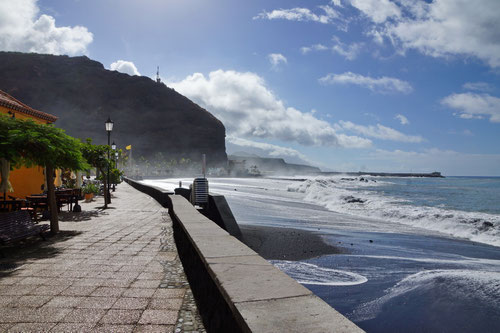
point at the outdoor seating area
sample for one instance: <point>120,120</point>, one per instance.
<point>37,203</point>
<point>19,218</point>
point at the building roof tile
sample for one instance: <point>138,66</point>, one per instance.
<point>12,103</point>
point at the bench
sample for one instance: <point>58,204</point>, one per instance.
<point>18,225</point>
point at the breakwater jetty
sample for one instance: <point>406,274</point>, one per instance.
<point>384,174</point>
<point>237,290</point>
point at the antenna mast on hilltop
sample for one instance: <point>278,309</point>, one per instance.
<point>158,74</point>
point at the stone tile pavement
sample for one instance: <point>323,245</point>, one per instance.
<point>114,270</point>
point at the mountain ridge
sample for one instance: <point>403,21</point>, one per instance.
<point>273,165</point>
<point>148,115</point>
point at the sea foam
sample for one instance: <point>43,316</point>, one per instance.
<point>306,273</point>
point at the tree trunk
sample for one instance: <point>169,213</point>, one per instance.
<point>105,181</point>
<point>51,199</point>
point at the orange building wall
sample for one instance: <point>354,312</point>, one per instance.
<point>25,181</point>
<point>20,115</point>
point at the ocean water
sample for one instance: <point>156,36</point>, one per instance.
<point>422,254</point>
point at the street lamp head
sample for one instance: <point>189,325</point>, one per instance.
<point>109,125</point>
<point>113,146</point>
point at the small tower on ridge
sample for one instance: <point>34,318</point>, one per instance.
<point>158,74</point>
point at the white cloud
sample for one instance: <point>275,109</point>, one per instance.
<point>380,132</point>
<point>300,14</point>
<point>377,36</point>
<point>377,10</point>
<point>440,28</point>
<point>276,59</point>
<point>246,106</point>
<point>21,29</point>
<point>315,47</point>
<point>474,106</point>
<point>126,67</point>
<point>273,150</point>
<point>382,85</point>
<point>350,52</point>
<point>402,119</point>
<point>478,86</point>
<point>337,3</point>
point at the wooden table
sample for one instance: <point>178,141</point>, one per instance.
<point>12,205</point>
<point>64,198</point>
<point>67,196</point>
<point>37,201</point>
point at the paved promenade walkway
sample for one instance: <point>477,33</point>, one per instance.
<point>113,270</point>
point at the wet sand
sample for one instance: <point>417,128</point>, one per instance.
<point>275,243</point>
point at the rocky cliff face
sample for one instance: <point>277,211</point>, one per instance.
<point>274,166</point>
<point>148,115</point>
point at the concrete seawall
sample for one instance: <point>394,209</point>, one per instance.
<point>237,290</point>
<point>156,193</point>
<point>217,211</point>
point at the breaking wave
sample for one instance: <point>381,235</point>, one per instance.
<point>351,196</point>
<point>305,273</point>
<point>460,286</point>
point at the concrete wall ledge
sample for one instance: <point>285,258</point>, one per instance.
<point>259,297</point>
<point>157,193</point>
<point>218,211</point>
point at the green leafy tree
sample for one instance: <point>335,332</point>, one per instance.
<point>25,142</point>
<point>114,176</point>
<point>96,156</point>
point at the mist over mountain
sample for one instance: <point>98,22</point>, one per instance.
<point>82,93</point>
<point>272,166</point>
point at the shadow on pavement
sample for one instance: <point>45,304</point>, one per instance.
<point>33,248</point>
<point>79,217</point>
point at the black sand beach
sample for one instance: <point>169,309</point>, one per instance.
<point>274,243</point>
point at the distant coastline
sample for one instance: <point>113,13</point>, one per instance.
<point>385,174</point>
<point>241,166</point>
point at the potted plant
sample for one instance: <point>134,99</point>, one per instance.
<point>88,191</point>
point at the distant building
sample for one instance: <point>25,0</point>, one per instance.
<point>158,79</point>
<point>25,181</point>
<point>237,168</point>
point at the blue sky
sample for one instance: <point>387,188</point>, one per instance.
<point>346,85</point>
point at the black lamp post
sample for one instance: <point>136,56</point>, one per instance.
<point>113,147</point>
<point>109,128</point>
